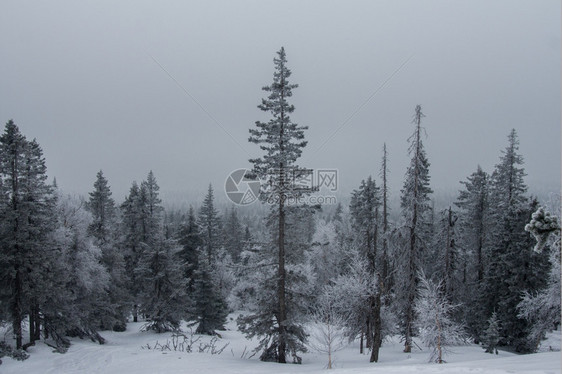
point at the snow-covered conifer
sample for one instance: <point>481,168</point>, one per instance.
<point>283,141</point>
<point>416,209</point>
<point>491,336</point>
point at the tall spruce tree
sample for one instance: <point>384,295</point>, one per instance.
<point>210,223</point>
<point>151,206</point>
<point>81,303</point>
<point>209,287</point>
<point>163,296</point>
<point>416,210</point>
<point>259,287</point>
<point>132,239</point>
<point>542,309</point>
<point>513,266</point>
<point>143,237</point>
<point>364,209</point>
<point>104,231</point>
<point>190,240</point>
<point>474,228</point>
<point>102,208</point>
<point>26,211</point>
<point>209,307</point>
<point>233,235</point>
<point>385,275</point>
<point>473,202</point>
<point>448,259</point>
<point>282,140</point>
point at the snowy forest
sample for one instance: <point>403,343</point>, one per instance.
<point>292,278</point>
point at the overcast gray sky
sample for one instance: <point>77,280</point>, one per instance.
<point>83,77</point>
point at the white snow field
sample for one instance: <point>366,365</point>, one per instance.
<point>123,353</point>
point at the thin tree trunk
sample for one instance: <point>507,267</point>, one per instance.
<point>281,284</point>
<point>385,281</point>
<point>439,353</point>
<point>377,337</point>
<point>31,325</point>
<point>37,324</point>
<point>45,328</point>
<point>369,328</point>
<point>330,352</point>
<point>480,241</point>
<point>447,278</point>
<point>361,343</point>
<point>17,312</point>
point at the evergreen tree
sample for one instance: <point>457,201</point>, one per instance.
<point>475,231</point>
<point>233,235</point>
<point>104,231</point>
<point>513,266</point>
<point>151,207</point>
<point>210,223</point>
<point>283,141</point>
<point>81,300</point>
<point>449,260</point>
<point>473,202</point>
<point>210,309</point>
<point>26,210</point>
<point>163,297</point>
<point>542,309</point>
<point>416,210</point>
<point>205,267</point>
<point>326,256</point>
<point>260,285</point>
<point>102,208</point>
<point>190,240</point>
<point>385,275</point>
<point>491,336</point>
<point>143,239</point>
<point>364,209</point>
<point>132,244</point>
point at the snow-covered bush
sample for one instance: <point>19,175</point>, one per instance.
<point>434,323</point>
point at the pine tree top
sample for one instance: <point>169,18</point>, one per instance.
<point>282,139</point>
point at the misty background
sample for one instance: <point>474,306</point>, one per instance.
<point>173,87</point>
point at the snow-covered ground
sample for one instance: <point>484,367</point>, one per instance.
<point>124,353</point>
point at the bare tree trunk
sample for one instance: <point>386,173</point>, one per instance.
<point>377,336</point>
<point>439,353</point>
<point>384,282</point>
<point>447,278</point>
<point>45,327</point>
<point>361,343</point>
<point>411,286</point>
<point>480,241</point>
<point>31,325</point>
<point>37,324</point>
<point>17,312</point>
<point>281,282</point>
<point>369,329</point>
